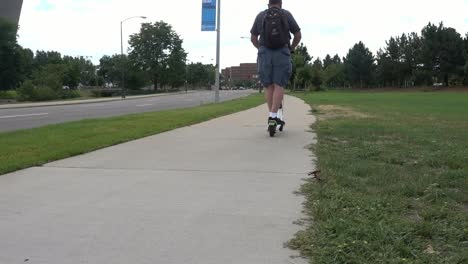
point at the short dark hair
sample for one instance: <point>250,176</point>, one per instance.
<point>275,2</point>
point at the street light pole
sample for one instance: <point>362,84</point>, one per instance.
<point>218,42</point>
<point>122,83</point>
<point>121,53</point>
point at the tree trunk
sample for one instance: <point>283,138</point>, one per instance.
<point>155,83</point>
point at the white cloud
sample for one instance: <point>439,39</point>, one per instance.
<point>92,27</point>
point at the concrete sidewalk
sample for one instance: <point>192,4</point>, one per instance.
<point>214,193</point>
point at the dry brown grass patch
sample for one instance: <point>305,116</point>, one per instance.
<point>326,112</point>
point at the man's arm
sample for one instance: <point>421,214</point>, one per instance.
<point>254,40</point>
<point>296,40</point>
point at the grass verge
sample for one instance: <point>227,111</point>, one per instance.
<point>394,179</point>
<point>35,147</point>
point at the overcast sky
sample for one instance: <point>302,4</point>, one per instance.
<point>92,27</point>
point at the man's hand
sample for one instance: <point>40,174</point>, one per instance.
<point>296,40</point>
<point>254,40</point>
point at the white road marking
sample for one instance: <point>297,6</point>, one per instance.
<point>144,105</point>
<point>13,116</point>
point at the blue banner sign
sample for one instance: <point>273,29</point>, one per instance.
<point>208,15</point>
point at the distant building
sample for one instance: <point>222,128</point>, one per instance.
<point>11,10</point>
<point>245,72</point>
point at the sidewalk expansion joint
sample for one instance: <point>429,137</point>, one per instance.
<point>177,170</point>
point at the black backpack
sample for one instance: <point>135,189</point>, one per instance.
<point>276,28</point>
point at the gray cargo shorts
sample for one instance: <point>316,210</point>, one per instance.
<point>274,66</point>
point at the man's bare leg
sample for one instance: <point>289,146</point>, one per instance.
<point>269,93</point>
<point>277,98</point>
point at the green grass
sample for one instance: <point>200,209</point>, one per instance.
<point>34,147</point>
<point>394,179</point>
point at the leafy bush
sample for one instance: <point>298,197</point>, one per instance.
<point>29,92</point>
<point>105,92</point>
<point>46,84</point>
<point>8,95</point>
<point>69,94</point>
<point>26,91</point>
<point>45,93</point>
<point>51,76</point>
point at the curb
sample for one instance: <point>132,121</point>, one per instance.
<point>85,101</point>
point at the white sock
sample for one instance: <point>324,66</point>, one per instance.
<point>274,115</point>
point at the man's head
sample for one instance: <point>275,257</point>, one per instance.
<point>277,3</point>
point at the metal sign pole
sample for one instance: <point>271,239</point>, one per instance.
<point>210,23</point>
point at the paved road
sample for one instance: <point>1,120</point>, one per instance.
<point>213,193</point>
<point>22,118</point>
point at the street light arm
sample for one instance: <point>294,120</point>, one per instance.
<point>143,17</point>
<point>121,52</point>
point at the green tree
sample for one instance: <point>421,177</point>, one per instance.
<point>157,48</point>
<point>46,84</point>
<point>392,66</point>
<point>200,75</point>
<point>384,68</point>
<point>336,59</point>
<point>410,48</point>
<point>302,50</point>
<point>466,58</point>
<point>80,71</point>
<point>317,74</point>
<point>135,78</point>
<point>73,75</point>
<point>174,72</point>
<point>110,71</point>
<point>9,55</point>
<point>393,52</point>
<point>327,61</point>
<point>429,53</point>
<point>442,52</point>
<point>51,76</point>
<point>301,71</point>
<point>25,63</point>
<point>44,58</point>
<point>303,76</point>
<point>110,68</point>
<point>451,56</point>
<point>333,75</point>
<point>359,65</point>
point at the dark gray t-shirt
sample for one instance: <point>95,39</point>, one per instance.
<point>257,28</point>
